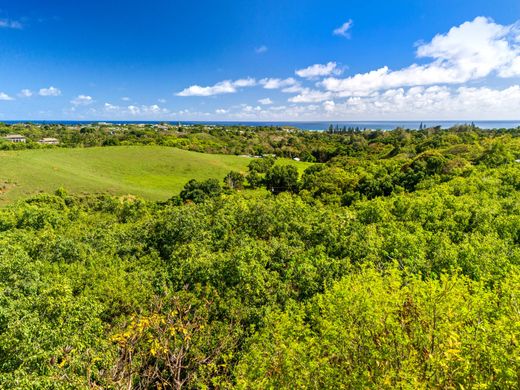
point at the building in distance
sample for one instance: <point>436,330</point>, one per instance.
<point>49,141</point>
<point>15,138</point>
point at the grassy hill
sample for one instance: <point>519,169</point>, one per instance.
<point>153,172</point>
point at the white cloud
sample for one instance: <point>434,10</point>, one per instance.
<point>475,48</point>
<point>14,24</point>
<point>294,112</point>
<point>329,106</point>
<point>297,88</point>
<point>133,110</point>
<point>250,109</point>
<point>274,83</point>
<point>439,102</point>
<point>343,30</point>
<point>82,100</point>
<point>278,108</point>
<point>261,49</point>
<point>153,111</point>
<point>222,87</point>
<point>219,88</point>
<point>148,110</point>
<point>161,101</point>
<point>470,51</point>
<point>318,70</point>
<point>25,93</point>
<point>248,82</point>
<point>111,108</point>
<point>4,96</point>
<point>265,101</point>
<point>311,96</point>
<point>125,99</point>
<point>51,91</point>
<point>436,86</point>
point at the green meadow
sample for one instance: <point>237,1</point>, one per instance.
<point>153,172</point>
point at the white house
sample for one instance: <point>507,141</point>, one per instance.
<point>49,141</point>
<point>15,138</point>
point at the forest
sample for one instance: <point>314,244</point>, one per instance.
<point>392,262</point>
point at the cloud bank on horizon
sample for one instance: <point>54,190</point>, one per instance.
<point>440,87</point>
<point>471,71</point>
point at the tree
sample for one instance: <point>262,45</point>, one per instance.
<point>176,345</point>
<point>234,180</point>
<point>496,155</point>
<point>199,192</point>
<point>261,165</point>
<point>282,178</point>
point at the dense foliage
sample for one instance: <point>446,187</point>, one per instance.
<point>312,146</point>
<point>395,266</point>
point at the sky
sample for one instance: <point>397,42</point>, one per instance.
<point>260,60</point>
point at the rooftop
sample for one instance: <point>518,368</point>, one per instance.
<point>10,136</point>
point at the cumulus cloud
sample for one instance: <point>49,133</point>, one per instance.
<point>329,106</point>
<point>222,87</point>
<point>14,24</point>
<point>343,30</point>
<point>274,83</point>
<point>284,112</point>
<point>25,93</point>
<point>436,86</point>
<point>251,109</point>
<point>4,96</point>
<point>296,88</point>
<point>261,49</point>
<point>82,100</point>
<point>51,91</point>
<point>319,70</point>
<point>411,103</point>
<point>311,96</point>
<point>153,111</point>
<point>147,110</point>
<point>248,82</point>
<point>265,101</point>
<point>125,99</point>
<point>470,51</point>
<point>111,108</point>
<point>219,88</point>
<point>441,102</point>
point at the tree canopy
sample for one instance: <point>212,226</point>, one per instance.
<point>371,270</point>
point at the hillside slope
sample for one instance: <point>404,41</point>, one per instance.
<point>153,172</point>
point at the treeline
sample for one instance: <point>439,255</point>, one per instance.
<point>330,283</point>
<point>311,146</point>
<point>344,179</point>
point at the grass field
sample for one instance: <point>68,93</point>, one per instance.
<point>153,172</point>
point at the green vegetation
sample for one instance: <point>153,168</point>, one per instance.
<point>153,172</point>
<point>394,264</point>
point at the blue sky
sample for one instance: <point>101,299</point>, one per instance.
<point>259,60</point>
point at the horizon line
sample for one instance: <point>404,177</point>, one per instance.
<point>260,121</point>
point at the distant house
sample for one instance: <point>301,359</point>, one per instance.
<point>15,138</point>
<point>162,126</point>
<point>49,141</point>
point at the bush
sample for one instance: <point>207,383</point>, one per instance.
<point>199,192</point>
<point>282,178</point>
